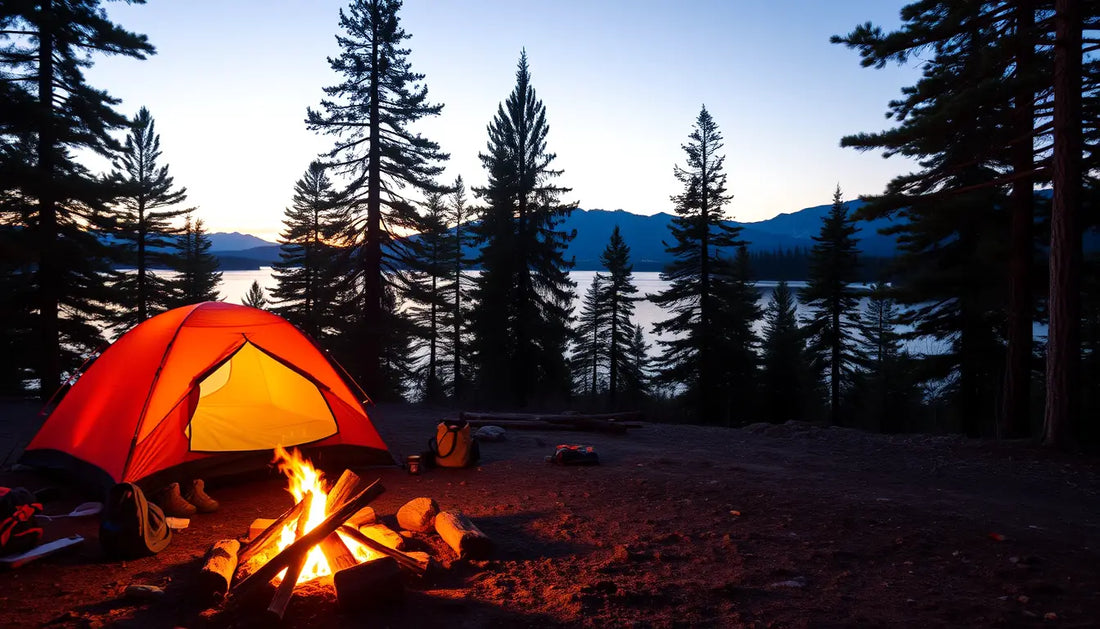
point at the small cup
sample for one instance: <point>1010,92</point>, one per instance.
<point>412,463</point>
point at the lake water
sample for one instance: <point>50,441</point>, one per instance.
<point>235,285</point>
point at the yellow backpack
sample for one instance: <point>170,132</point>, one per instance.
<point>453,445</point>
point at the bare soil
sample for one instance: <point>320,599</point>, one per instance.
<point>768,526</point>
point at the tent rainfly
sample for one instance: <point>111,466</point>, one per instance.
<point>202,391</point>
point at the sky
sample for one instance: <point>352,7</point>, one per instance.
<point>622,81</point>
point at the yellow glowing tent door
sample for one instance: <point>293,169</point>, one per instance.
<point>254,402</point>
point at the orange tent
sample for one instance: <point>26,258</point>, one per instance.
<point>202,391</point>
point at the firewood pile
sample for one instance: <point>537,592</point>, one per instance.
<point>369,562</point>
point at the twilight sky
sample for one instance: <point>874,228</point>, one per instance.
<point>622,81</point>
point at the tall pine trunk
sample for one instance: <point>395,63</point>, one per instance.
<point>1063,340</point>
<point>1016,401</point>
<point>49,280</point>
<point>613,352</point>
<point>372,254</point>
<point>834,369</point>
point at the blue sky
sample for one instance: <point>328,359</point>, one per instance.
<point>622,81</point>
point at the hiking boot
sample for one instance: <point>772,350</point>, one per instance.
<point>172,503</point>
<point>198,497</point>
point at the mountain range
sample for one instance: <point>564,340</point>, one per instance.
<point>645,234</point>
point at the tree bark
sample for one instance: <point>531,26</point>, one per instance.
<point>1063,342</point>
<point>1016,401</point>
<point>49,281</point>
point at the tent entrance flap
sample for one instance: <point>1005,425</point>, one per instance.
<point>254,402</point>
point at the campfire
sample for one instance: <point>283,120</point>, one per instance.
<point>332,530</point>
<point>339,549</point>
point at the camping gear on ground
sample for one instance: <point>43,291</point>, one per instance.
<point>171,502</point>
<point>412,463</point>
<point>82,510</point>
<point>197,496</point>
<point>19,529</point>
<point>38,552</point>
<point>202,391</point>
<point>131,526</point>
<point>489,433</point>
<point>453,445</point>
<point>573,454</point>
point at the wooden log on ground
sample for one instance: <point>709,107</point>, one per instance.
<point>462,535</point>
<point>276,609</point>
<point>302,545</point>
<point>369,585</point>
<point>271,534</point>
<point>217,568</point>
<point>417,514</point>
<point>382,534</point>
<point>611,417</point>
<point>417,565</point>
<point>363,517</point>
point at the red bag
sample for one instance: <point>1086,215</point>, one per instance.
<point>19,529</point>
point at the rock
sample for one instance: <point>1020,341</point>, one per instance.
<point>418,515</point>
<point>797,582</point>
<point>490,433</point>
<point>144,592</point>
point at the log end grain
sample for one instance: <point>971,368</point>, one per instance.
<point>418,514</point>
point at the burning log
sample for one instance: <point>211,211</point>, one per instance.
<point>417,514</point>
<point>371,584</point>
<point>462,535</point>
<point>301,546</point>
<point>217,568</point>
<point>277,608</point>
<point>337,554</point>
<point>417,565</point>
<point>342,491</point>
<point>270,536</point>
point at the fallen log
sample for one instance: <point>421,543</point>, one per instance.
<point>302,545</point>
<point>605,427</point>
<point>371,584</point>
<point>417,514</point>
<point>462,535</point>
<point>416,565</point>
<point>276,609</point>
<point>552,417</point>
<point>217,568</point>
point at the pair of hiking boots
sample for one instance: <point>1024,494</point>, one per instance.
<point>184,504</point>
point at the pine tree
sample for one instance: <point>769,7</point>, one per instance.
<point>619,296</point>
<point>738,374</point>
<point>786,384</point>
<point>590,350</point>
<point>255,296</point>
<point>704,248</point>
<point>833,302</point>
<point>145,209</point>
<point>463,238</point>
<point>636,374</point>
<point>197,275</point>
<point>958,121</point>
<point>50,114</point>
<point>523,296</point>
<point>371,113</point>
<point>428,287</point>
<point>885,390</point>
<point>305,288</point>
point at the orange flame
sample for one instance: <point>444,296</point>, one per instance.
<point>304,478</point>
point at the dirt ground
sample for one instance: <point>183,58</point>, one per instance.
<point>769,526</point>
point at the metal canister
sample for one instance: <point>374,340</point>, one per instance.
<point>412,463</point>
